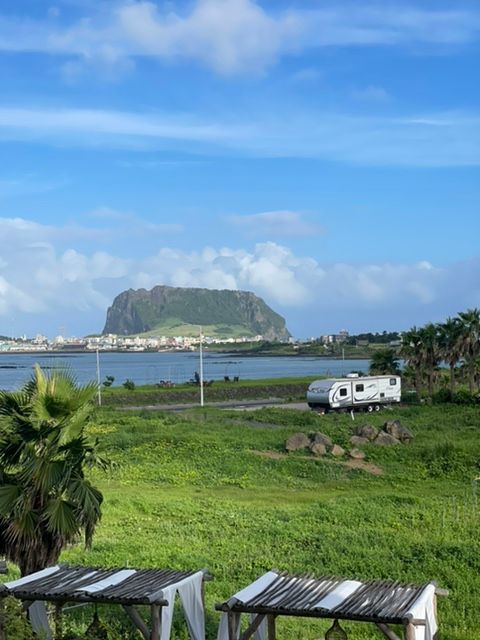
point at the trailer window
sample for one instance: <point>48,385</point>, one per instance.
<point>359,387</point>
<point>343,391</point>
<point>393,381</point>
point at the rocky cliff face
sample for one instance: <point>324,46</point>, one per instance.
<point>139,311</point>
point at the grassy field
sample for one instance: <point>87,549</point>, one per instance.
<point>215,489</point>
<point>293,388</point>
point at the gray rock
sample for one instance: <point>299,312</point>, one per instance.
<point>385,439</point>
<point>356,454</point>
<point>337,451</point>
<point>367,431</point>
<point>318,449</point>
<point>396,429</point>
<point>358,441</point>
<point>297,441</point>
<point>321,438</point>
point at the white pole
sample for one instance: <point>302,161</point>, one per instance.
<point>201,368</point>
<point>99,388</point>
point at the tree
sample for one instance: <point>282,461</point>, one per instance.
<point>45,500</point>
<point>449,333</point>
<point>411,351</point>
<point>469,343</point>
<point>429,352</point>
<point>384,362</point>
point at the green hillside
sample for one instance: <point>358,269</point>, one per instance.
<point>175,327</point>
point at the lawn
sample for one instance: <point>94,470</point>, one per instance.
<point>215,489</point>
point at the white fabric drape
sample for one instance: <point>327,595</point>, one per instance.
<point>338,595</point>
<point>243,596</point>
<point>112,580</point>
<point>260,633</point>
<point>424,609</point>
<point>31,577</point>
<point>37,614</point>
<point>190,592</point>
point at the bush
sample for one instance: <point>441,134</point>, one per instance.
<point>129,384</point>
<point>464,397</point>
<point>17,626</point>
<point>109,380</point>
<point>442,395</point>
<point>409,397</point>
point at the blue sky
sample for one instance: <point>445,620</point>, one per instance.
<point>323,154</point>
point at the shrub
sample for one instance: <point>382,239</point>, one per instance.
<point>442,395</point>
<point>109,380</point>
<point>464,397</point>
<point>129,384</point>
<point>16,624</point>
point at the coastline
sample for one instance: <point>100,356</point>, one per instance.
<point>206,352</point>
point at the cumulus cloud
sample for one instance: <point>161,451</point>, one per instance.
<point>233,36</point>
<point>274,224</point>
<point>38,279</point>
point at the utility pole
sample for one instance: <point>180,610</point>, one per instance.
<point>201,368</point>
<point>99,387</point>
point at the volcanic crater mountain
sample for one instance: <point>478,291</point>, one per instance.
<point>174,311</point>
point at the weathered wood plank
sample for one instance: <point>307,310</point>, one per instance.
<point>58,618</point>
<point>233,624</point>
<point>137,621</point>
<point>272,633</point>
<point>387,632</point>
<point>156,615</point>
<point>248,633</point>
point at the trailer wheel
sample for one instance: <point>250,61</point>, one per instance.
<point>377,407</point>
<point>370,408</point>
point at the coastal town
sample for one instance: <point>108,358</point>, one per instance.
<point>113,342</point>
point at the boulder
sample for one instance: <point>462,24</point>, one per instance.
<point>385,439</point>
<point>337,451</point>
<point>321,438</point>
<point>318,449</point>
<point>367,431</point>
<point>356,454</point>
<point>396,429</point>
<point>358,441</point>
<point>297,441</point>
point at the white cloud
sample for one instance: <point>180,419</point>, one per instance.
<point>273,224</point>
<point>233,36</point>
<point>371,93</point>
<point>430,139</point>
<point>38,279</point>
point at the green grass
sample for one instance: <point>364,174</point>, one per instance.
<point>286,388</point>
<point>192,491</point>
<point>172,327</point>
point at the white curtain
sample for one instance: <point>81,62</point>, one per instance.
<point>190,592</point>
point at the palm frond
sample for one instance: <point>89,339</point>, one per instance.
<point>60,519</point>
<point>9,496</point>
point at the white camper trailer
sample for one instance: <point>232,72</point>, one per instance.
<point>368,393</point>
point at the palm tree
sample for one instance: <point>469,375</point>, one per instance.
<point>469,342</point>
<point>384,362</point>
<point>449,333</point>
<point>412,352</point>
<point>430,353</point>
<point>45,500</point>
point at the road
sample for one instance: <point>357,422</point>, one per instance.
<point>245,405</point>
